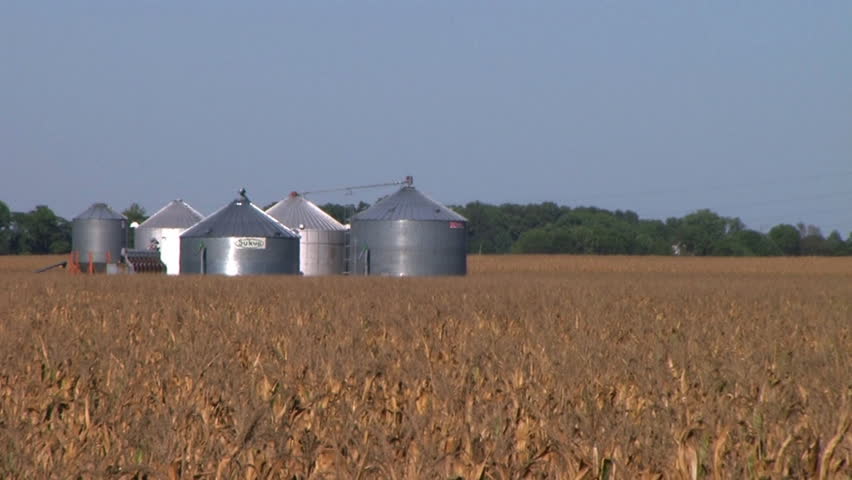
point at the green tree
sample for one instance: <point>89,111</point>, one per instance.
<point>834,244</point>
<point>338,212</point>
<point>135,213</point>
<point>62,240</point>
<point>40,231</point>
<point>787,238</point>
<point>5,229</point>
<point>652,238</point>
<point>814,244</point>
<point>747,243</point>
<point>734,225</point>
<point>701,231</point>
<point>613,237</point>
<point>585,239</point>
<point>565,240</point>
<point>487,228</point>
<point>537,240</point>
<point>628,216</point>
<point>588,230</point>
<point>518,219</point>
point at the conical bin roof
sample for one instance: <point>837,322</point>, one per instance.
<point>296,211</point>
<point>176,214</point>
<point>240,218</point>
<point>408,204</point>
<point>100,211</point>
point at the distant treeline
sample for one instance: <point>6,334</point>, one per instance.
<point>551,228</point>
<point>37,231</point>
<point>512,228</point>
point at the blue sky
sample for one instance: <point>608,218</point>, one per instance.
<point>662,107</point>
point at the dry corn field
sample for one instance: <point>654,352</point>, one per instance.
<point>529,367</point>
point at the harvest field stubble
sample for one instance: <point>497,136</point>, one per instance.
<point>529,367</point>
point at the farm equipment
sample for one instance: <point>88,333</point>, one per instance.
<point>143,261</point>
<point>131,261</point>
<point>51,267</point>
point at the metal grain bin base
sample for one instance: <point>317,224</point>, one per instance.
<point>322,252</point>
<point>408,248</point>
<point>239,256</point>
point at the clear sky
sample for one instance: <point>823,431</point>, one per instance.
<point>661,107</point>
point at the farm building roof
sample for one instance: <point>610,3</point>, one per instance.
<point>176,214</point>
<point>296,211</point>
<point>99,211</point>
<point>408,204</point>
<point>240,218</point>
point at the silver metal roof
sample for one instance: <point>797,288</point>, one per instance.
<point>296,211</point>
<point>408,204</point>
<point>240,218</point>
<point>100,211</point>
<point>176,214</point>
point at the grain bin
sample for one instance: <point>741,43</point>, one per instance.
<point>239,239</point>
<point>323,243</point>
<point>408,234</point>
<point>161,231</point>
<point>99,234</point>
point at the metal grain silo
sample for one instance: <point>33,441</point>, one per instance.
<point>408,234</point>
<point>99,234</point>
<point>239,239</point>
<point>323,243</point>
<point>161,231</point>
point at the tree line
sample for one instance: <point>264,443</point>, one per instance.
<point>551,228</point>
<point>514,228</point>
